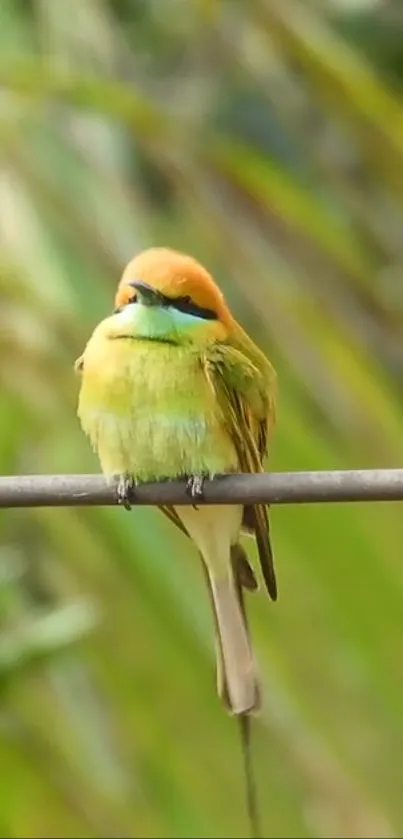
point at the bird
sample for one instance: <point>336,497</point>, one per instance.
<point>172,387</point>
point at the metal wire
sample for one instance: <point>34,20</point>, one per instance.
<point>270,488</point>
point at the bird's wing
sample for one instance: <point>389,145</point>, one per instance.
<point>246,394</point>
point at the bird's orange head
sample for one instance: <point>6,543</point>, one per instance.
<point>162,289</point>
<point>176,276</point>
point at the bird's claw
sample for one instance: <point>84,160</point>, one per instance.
<point>195,488</point>
<point>124,491</point>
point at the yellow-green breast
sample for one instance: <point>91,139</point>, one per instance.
<point>150,411</point>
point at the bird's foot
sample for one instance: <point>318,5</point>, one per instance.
<point>195,488</point>
<point>124,490</point>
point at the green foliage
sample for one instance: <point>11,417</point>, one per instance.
<point>255,137</point>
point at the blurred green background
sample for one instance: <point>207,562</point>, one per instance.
<point>266,138</point>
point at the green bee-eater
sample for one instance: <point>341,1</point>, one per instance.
<point>172,386</point>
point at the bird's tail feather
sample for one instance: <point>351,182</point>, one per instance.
<point>237,680</point>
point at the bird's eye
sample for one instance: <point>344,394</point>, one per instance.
<point>132,299</point>
<point>186,300</point>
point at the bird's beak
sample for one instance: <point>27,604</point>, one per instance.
<point>148,295</point>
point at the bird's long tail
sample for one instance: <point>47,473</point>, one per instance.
<point>237,680</point>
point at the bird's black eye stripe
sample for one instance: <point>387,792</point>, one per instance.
<point>182,304</point>
<point>186,304</point>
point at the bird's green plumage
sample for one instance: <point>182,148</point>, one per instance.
<point>150,411</point>
<point>150,406</point>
